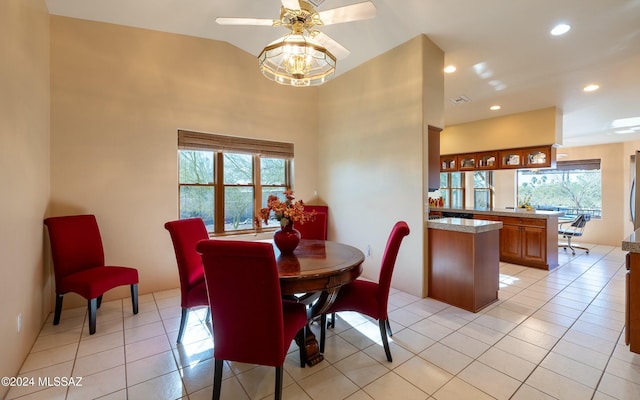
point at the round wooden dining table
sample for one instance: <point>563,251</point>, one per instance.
<point>316,270</point>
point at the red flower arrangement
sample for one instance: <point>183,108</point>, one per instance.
<point>287,212</point>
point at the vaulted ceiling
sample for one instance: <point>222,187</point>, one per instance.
<point>502,49</point>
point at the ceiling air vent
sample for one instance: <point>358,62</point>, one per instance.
<point>316,2</point>
<point>460,100</point>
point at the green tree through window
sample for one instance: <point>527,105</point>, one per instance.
<point>573,188</point>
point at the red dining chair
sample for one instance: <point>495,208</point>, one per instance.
<point>78,264</point>
<point>252,322</point>
<point>316,229</point>
<point>185,234</point>
<point>370,298</point>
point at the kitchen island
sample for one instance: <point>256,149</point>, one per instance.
<point>527,238</point>
<point>463,262</point>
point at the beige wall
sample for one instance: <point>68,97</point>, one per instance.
<point>532,128</point>
<point>371,141</point>
<point>119,95</point>
<point>24,176</point>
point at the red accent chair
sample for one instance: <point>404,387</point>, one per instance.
<point>185,234</point>
<point>367,297</point>
<point>78,264</point>
<point>315,229</point>
<point>252,322</point>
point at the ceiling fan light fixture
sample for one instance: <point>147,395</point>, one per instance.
<point>297,60</point>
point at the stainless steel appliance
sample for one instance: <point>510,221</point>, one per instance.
<point>634,200</point>
<point>632,289</point>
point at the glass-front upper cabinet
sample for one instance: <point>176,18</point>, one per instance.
<point>488,160</point>
<point>541,157</point>
<point>449,163</point>
<point>511,158</point>
<point>467,162</point>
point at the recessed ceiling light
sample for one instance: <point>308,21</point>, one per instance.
<point>494,108</point>
<point>592,87</point>
<point>560,29</point>
<point>450,69</point>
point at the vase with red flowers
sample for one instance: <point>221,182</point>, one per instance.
<point>287,213</point>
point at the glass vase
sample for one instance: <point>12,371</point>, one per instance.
<point>286,239</point>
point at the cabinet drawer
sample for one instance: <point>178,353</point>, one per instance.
<point>524,221</point>
<point>487,217</point>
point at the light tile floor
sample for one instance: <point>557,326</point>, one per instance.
<point>552,335</point>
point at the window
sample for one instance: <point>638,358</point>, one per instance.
<point>483,189</point>
<point>574,187</point>
<point>225,180</point>
<point>452,189</point>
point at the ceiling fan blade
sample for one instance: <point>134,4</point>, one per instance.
<point>291,4</point>
<point>354,12</point>
<point>338,50</point>
<point>245,21</point>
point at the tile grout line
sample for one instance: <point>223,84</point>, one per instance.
<point>595,389</point>
<point>529,316</point>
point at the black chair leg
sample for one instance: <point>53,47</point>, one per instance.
<point>323,331</point>
<point>385,341</point>
<point>183,323</point>
<point>99,301</point>
<point>389,328</point>
<point>93,309</point>
<point>217,379</point>
<point>134,297</point>
<point>56,315</point>
<point>301,341</point>
<point>278,393</point>
<point>333,321</point>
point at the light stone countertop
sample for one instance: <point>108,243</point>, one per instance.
<point>632,243</point>
<point>464,225</point>
<point>505,212</point>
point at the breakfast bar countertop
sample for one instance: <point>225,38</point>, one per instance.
<point>632,243</point>
<point>504,212</point>
<point>464,225</point>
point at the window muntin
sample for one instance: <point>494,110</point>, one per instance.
<point>482,190</point>
<point>239,191</point>
<point>197,189</point>
<point>273,181</point>
<point>452,189</point>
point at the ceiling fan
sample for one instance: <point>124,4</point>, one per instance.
<point>304,56</point>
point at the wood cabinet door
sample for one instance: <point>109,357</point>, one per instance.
<point>511,159</point>
<point>467,162</point>
<point>540,157</point>
<point>448,163</point>
<point>487,160</point>
<point>433,141</point>
<point>534,244</point>
<point>633,301</point>
<point>510,242</point>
